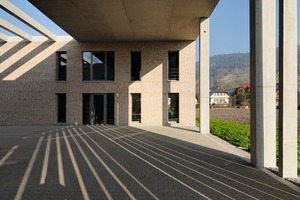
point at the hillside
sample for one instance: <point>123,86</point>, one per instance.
<point>230,70</point>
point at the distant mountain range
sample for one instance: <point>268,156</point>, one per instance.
<point>231,70</point>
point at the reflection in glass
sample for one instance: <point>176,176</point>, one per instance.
<point>98,65</point>
<point>62,66</point>
<point>173,107</point>
<point>173,62</point>
<point>86,62</point>
<point>136,107</point>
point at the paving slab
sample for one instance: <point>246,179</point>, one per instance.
<point>125,162</point>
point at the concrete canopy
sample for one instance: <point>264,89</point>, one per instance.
<point>128,20</point>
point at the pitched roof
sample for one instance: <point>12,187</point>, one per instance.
<point>245,85</point>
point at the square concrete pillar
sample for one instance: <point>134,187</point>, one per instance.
<point>204,126</point>
<point>288,88</point>
<point>263,82</point>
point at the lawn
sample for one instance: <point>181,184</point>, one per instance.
<point>236,134</point>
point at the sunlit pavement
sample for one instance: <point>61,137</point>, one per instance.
<point>109,162</point>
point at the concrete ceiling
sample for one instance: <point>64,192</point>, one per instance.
<point>128,20</point>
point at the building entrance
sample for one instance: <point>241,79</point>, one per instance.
<point>98,109</point>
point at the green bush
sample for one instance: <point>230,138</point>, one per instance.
<point>236,134</point>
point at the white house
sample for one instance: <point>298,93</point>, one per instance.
<point>218,97</point>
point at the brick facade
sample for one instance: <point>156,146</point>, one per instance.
<point>28,84</point>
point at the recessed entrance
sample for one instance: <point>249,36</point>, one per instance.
<point>98,109</point>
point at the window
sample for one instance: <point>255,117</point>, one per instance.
<point>136,66</point>
<point>61,108</point>
<point>61,71</point>
<point>136,107</point>
<point>173,107</point>
<point>173,65</point>
<point>98,65</point>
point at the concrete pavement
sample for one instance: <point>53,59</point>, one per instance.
<point>109,162</point>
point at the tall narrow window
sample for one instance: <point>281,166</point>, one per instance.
<point>136,66</point>
<point>173,65</point>
<point>173,107</point>
<point>98,65</point>
<point>61,108</point>
<point>136,107</point>
<point>61,66</point>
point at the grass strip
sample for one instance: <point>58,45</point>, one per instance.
<point>237,134</point>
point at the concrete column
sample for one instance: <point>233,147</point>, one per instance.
<point>204,76</point>
<point>288,88</point>
<point>263,82</point>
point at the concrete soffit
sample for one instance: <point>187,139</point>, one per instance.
<point>23,17</point>
<point>128,20</point>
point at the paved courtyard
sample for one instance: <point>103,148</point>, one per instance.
<point>109,162</point>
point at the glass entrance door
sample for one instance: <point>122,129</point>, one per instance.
<point>98,113</point>
<point>98,109</point>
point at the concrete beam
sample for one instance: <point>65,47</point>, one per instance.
<point>15,30</point>
<point>3,37</point>
<point>288,88</point>
<point>263,82</point>
<point>204,126</point>
<point>17,13</point>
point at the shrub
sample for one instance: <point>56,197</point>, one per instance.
<point>236,134</point>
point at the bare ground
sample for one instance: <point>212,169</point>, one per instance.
<point>231,114</point>
<point>238,115</point>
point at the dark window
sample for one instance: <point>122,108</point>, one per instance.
<point>98,59</point>
<point>173,107</point>
<point>61,66</point>
<point>135,66</point>
<point>98,108</point>
<point>98,65</point>
<point>110,60</point>
<point>136,107</point>
<point>173,65</point>
<point>110,115</point>
<point>86,64</point>
<point>86,109</point>
<point>61,108</point>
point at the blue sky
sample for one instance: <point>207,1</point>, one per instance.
<point>229,25</point>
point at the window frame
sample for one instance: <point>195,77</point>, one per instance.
<point>61,107</point>
<point>176,114</point>
<point>177,65</point>
<point>91,75</point>
<point>59,66</point>
<point>136,116</point>
<point>132,53</point>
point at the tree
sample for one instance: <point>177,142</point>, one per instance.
<point>240,99</point>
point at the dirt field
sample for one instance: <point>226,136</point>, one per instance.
<point>237,115</point>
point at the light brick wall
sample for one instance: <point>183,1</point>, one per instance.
<point>31,98</point>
